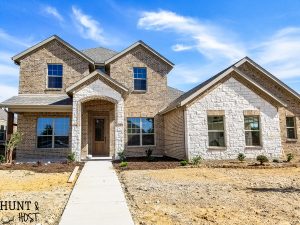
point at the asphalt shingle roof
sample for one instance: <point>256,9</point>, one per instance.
<point>41,100</point>
<point>99,55</point>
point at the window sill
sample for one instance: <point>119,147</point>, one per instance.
<point>217,148</point>
<point>53,89</point>
<point>291,140</point>
<point>140,146</point>
<point>139,91</point>
<point>253,148</point>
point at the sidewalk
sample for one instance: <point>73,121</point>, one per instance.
<point>97,198</point>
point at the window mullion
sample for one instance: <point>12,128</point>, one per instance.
<point>141,129</point>
<point>53,132</point>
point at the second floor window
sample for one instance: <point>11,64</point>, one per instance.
<point>290,127</point>
<point>140,78</point>
<point>55,73</point>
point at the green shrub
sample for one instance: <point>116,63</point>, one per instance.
<point>122,156</point>
<point>196,160</point>
<point>276,160</point>
<point>241,157</point>
<point>183,163</point>
<point>262,159</point>
<point>2,158</point>
<point>123,164</point>
<point>289,157</point>
<point>71,157</point>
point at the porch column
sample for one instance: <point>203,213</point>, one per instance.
<point>76,129</point>
<point>119,128</point>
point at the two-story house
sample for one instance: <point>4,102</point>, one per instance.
<point>98,102</point>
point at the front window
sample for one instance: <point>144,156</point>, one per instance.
<point>290,127</point>
<point>140,78</point>
<point>53,132</point>
<point>2,133</point>
<point>252,130</point>
<point>216,131</point>
<point>55,73</point>
<point>140,131</point>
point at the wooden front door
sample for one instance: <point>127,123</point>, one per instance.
<point>99,137</point>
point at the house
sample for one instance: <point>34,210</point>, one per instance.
<point>98,102</point>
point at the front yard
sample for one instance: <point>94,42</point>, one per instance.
<point>213,195</point>
<point>45,186</point>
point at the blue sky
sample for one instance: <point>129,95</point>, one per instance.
<point>200,37</point>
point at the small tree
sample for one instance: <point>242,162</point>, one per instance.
<point>289,157</point>
<point>13,142</point>
<point>262,159</point>
<point>122,156</point>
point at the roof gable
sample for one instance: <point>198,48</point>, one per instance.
<point>97,74</point>
<point>136,44</point>
<point>19,56</point>
<point>201,88</point>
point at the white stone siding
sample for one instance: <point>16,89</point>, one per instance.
<point>97,90</point>
<point>232,97</point>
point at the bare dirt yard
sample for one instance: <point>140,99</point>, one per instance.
<point>213,196</point>
<point>45,186</point>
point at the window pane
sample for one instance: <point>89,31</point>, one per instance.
<point>1,136</point>
<point>147,125</point>
<point>54,82</point>
<point>99,129</point>
<point>148,139</point>
<point>215,123</point>
<point>140,85</point>
<point>44,142</point>
<point>61,141</point>
<point>216,139</point>
<point>133,123</point>
<point>61,126</point>
<point>133,140</point>
<point>251,122</point>
<point>252,138</point>
<point>290,122</point>
<point>44,126</point>
<point>291,133</point>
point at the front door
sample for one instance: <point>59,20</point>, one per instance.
<point>99,146</point>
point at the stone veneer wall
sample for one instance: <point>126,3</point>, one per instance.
<point>95,91</point>
<point>27,125</point>
<point>143,104</point>
<point>234,98</point>
<point>293,106</point>
<point>34,69</point>
<point>174,129</point>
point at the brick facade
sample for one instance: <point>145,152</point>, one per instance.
<point>139,104</point>
<point>34,69</point>
<point>27,125</point>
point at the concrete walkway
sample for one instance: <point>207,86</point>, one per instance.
<point>97,198</point>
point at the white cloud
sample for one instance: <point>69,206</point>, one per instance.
<point>53,12</point>
<point>13,40</point>
<point>88,27</point>
<point>181,47</point>
<point>281,53</point>
<point>208,39</point>
<point>7,67</point>
<point>7,92</point>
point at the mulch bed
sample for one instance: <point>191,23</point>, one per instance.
<point>43,167</point>
<point>141,163</point>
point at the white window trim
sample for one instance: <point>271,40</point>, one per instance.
<point>141,134</point>
<point>146,79</point>
<point>213,131</point>
<point>53,136</point>
<point>259,130</point>
<point>62,77</point>
<point>294,127</point>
